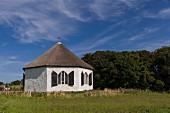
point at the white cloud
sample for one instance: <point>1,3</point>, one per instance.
<point>103,38</point>
<point>11,68</point>
<point>131,3</point>
<point>71,10</point>
<point>106,9</point>
<point>12,57</point>
<point>4,44</point>
<point>143,34</point>
<point>34,20</point>
<point>10,60</point>
<point>98,42</point>
<point>11,75</point>
<point>92,45</point>
<point>153,45</point>
<point>161,14</point>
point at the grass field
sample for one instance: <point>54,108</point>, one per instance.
<point>108,101</point>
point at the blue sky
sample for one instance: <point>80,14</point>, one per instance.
<point>30,27</point>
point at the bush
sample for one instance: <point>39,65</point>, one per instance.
<point>159,85</point>
<point>1,83</point>
<point>16,82</point>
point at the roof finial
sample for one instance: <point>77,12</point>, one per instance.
<point>59,40</point>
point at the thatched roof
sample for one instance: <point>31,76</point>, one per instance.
<point>58,56</point>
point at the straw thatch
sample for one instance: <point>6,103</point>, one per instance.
<point>58,56</point>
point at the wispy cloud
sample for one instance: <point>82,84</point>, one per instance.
<point>155,44</point>
<point>10,75</point>
<point>71,10</point>
<point>143,34</point>
<point>98,42</point>
<point>93,45</point>
<point>106,9</point>
<point>11,68</point>
<point>36,20</point>
<point>8,61</point>
<point>4,44</point>
<point>161,14</point>
<point>130,3</point>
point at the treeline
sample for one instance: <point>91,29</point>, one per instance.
<point>131,69</point>
<point>15,82</point>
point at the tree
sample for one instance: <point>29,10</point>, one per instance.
<point>1,83</point>
<point>16,82</point>
<point>131,69</point>
<point>162,60</point>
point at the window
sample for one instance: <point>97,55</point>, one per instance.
<point>54,79</point>
<point>63,78</point>
<point>86,78</point>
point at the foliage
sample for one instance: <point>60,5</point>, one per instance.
<point>1,83</point>
<point>16,82</point>
<point>162,59</point>
<point>131,69</point>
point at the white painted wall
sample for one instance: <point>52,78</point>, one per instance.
<point>36,80</point>
<point>39,79</point>
<point>85,86</point>
<point>64,87</point>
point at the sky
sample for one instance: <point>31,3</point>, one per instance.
<point>30,27</point>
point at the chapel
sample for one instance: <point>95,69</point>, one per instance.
<point>58,69</point>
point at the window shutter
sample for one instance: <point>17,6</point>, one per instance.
<point>62,75</point>
<point>59,78</point>
<point>82,79</point>
<point>71,78</point>
<point>23,82</point>
<point>90,79</point>
<point>54,79</point>
<point>66,78</point>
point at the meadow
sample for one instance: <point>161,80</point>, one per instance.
<point>96,101</point>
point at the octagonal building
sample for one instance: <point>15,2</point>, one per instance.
<point>58,69</point>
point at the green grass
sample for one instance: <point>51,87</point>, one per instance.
<point>111,101</point>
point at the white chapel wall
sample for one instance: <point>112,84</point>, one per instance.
<point>85,86</point>
<point>36,80</point>
<point>64,87</point>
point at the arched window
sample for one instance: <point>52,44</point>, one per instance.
<point>63,78</point>
<point>86,78</point>
<point>53,79</point>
